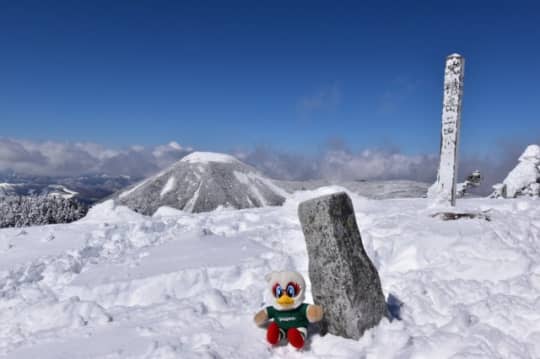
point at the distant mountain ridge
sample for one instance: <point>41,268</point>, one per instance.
<point>87,189</point>
<point>28,189</point>
<point>373,189</point>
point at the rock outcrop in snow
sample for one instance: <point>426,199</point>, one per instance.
<point>201,182</point>
<point>524,179</point>
<point>343,278</point>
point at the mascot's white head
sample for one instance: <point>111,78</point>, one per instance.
<point>287,288</point>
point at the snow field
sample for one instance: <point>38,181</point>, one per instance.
<point>178,285</point>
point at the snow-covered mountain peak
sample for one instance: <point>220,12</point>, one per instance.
<point>201,182</point>
<point>206,157</point>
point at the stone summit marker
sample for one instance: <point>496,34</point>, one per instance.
<point>343,278</point>
<point>444,189</point>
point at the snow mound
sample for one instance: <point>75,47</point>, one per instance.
<point>110,211</point>
<point>167,212</point>
<point>524,179</point>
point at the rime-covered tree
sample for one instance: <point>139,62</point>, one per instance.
<point>473,180</point>
<point>20,211</point>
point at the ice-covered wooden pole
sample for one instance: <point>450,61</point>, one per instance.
<point>444,189</point>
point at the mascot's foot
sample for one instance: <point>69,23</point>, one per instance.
<point>274,334</point>
<point>295,338</point>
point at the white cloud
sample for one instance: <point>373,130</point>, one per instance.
<point>336,162</point>
<point>377,164</point>
<point>49,158</point>
<point>339,163</point>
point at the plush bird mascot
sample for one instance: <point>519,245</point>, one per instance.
<point>289,315</point>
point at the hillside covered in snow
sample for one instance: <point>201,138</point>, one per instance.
<point>26,189</point>
<point>117,284</point>
<point>201,182</point>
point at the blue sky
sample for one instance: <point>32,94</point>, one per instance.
<point>288,75</point>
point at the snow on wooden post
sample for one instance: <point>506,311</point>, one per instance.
<point>444,190</point>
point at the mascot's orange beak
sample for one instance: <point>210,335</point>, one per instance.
<point>285,300</point>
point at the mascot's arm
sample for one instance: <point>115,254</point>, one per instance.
<point>314,313</point>
<point>261,317</point>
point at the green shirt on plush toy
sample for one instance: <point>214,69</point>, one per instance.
<point>295,318</point>
<point>289,315</point>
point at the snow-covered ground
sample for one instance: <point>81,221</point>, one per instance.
<point>180,285</point>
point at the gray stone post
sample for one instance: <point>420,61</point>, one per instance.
<point>343,278</point>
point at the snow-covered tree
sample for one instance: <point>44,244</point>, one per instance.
<point>524,179</point>
<point>473,180</point>
<point>20,211</point>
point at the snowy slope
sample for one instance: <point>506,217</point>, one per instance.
<point>7,189</point>
<point>374,189</point>
<point>26,189</point>
<point>61,191</point>
<point>201,182</point>
<point>180,285</point>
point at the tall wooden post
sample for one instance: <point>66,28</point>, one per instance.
<point>444,190</point>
